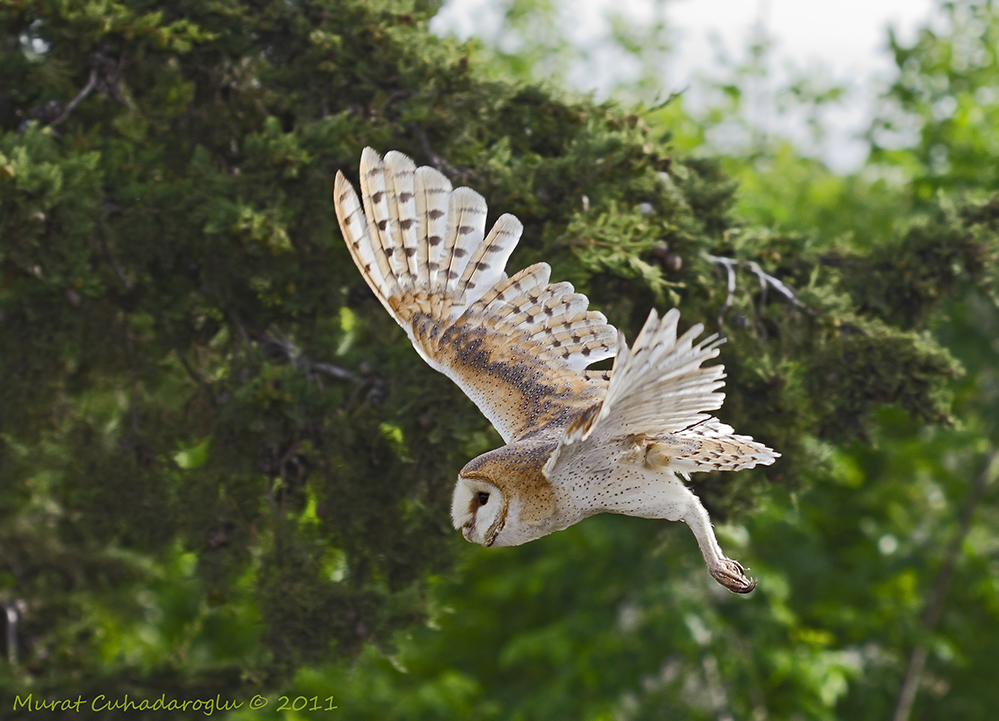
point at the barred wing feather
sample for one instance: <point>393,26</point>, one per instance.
<point>517,346</point>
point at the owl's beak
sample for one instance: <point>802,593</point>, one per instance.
<point>468,529</point>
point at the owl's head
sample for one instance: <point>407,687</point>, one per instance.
<point>502,498</point>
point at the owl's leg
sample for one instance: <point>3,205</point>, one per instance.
<point>727,572</point>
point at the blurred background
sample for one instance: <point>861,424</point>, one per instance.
<point>223,472</point>
<point>692,47</point>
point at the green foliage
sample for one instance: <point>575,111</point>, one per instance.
<point>530,40</point>
<point>945,98</point>
<point>225,471</point>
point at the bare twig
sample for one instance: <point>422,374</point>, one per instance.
<point>244,336</point>
<point>119,269</point>
<point>436,160</point>
<point>730,265</point>
<point>71,105</point>
<point>284,460</point>
<point>105,247</point>
<point>13,617</point>
<point>195,376</point>
<point>335,371</point>
<point>935,605</point>
<point>300,362</point>
<point>765,279</point>
<point>113,83</point>
<point>774,282</point>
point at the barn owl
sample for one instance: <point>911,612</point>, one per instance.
<point>578,442</point>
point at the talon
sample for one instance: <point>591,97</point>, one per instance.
<point>732,576</point>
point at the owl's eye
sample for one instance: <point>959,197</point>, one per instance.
<point>483,498</point>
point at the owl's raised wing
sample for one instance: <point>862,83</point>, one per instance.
<point>658,403</point>
<point>516,346</point>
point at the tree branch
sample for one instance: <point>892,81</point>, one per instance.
<point>438,161</point>
<point>300,362</point>
<point>13,617</point>
<point>337,372</point>
<point>934,608</point>
<point>87,89</point>
<point>765,279</point>
<point>729,264</point>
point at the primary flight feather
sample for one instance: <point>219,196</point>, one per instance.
<point>578,442</point>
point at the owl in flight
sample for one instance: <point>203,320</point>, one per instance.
<point>578,442</point>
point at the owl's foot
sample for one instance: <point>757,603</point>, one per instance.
<point>731,575</point>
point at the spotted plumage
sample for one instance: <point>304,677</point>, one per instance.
<point>578,442</point>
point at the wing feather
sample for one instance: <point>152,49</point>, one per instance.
<point>433,193</point>
<point>354,227</point>
<point>660,385</point>
<point>465,233</point>
<point>388,250</point>
<point>486,266</point>
<point>400,182</point>
<point>658,403</point>
<point>517,346</point>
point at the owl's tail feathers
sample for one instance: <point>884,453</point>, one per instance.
<point>419,244</point>
<point>707,446</point>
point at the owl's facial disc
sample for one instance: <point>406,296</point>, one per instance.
<point>478,510</point>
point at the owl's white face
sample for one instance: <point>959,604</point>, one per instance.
<point>478,510</point>
<point>486,515</point>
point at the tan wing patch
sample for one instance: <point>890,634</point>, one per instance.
<point>518,391</point>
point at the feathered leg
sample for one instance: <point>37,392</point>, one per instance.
<point>687,507</point>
